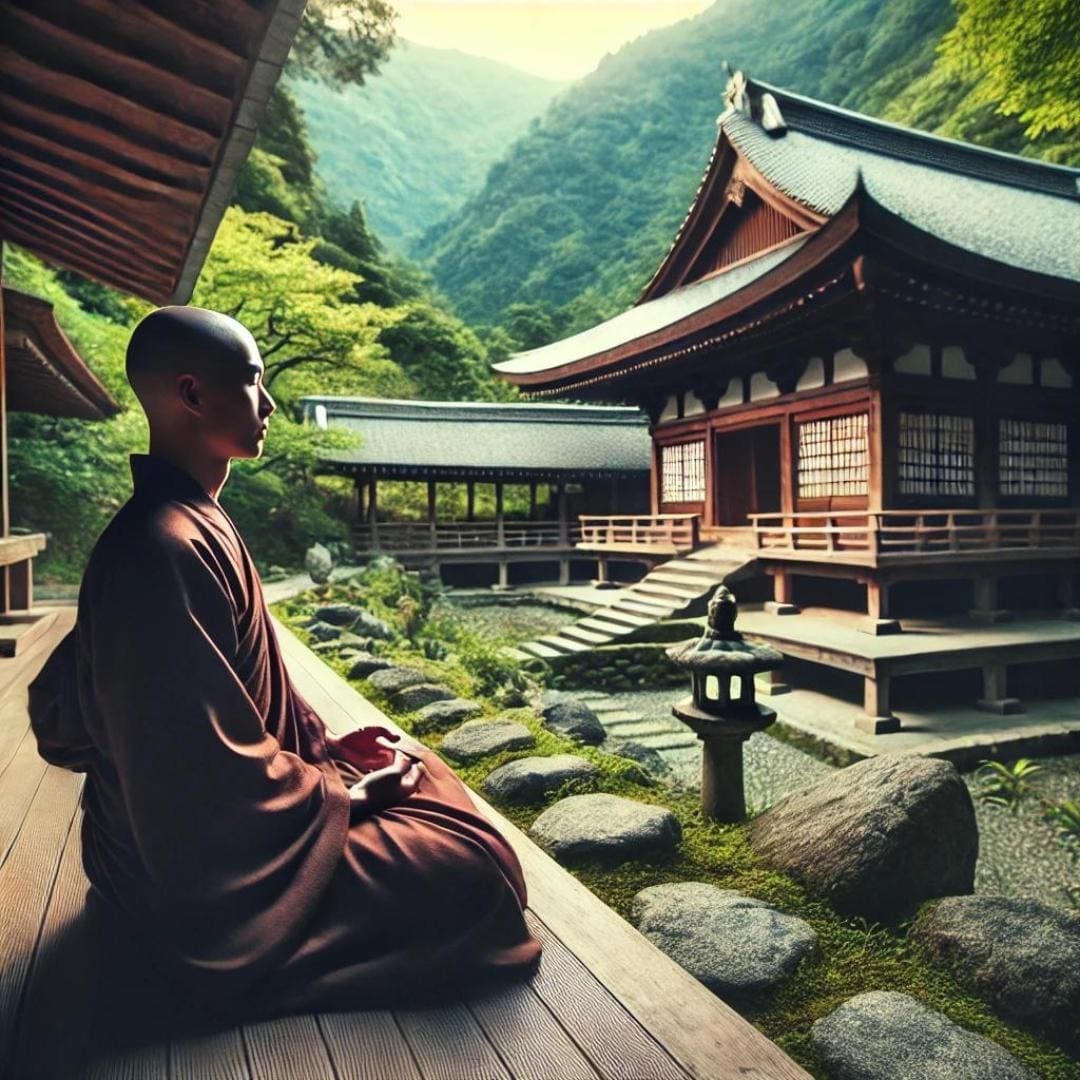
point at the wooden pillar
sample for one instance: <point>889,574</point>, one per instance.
<point>532,500</point>
<point>1066,594</point>
<point>372,512</point>
<point>500,525</point>
<point>878,718</point>
<point>564,571</point>
<point>878,620</point>
<point>881,456</point>
<point>708,518</point>
<point>986,427</point>
<point>504,576</point>
<point>781,603</point>
<point>995,697</point>
<point>5,521</point>
<point>21,585</point>
<point>432,512</point>
<point>986,611</point>
<point>564,521</point>
<point>654,481</point>
<point>470,500</point>
<point>358,499</point>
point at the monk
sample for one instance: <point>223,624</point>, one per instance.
<point>267,867</point>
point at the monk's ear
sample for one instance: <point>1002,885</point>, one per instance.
<point>190,392</point>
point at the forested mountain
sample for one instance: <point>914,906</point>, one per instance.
<point>578,212</point>
<point>418,139</point>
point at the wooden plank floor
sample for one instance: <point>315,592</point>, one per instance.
<point>75,1000</point>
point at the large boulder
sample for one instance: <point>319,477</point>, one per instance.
<point>877,838</point>
<point>1022,956</point>
<point>411,698</point>
<point>606,828</point>
<point>478,738</point>
<point>440,715</point>
<point>884,1035</point>
<point>739,947</point>
<point>575,720</point>
<point>530,779</point>
<point>392,679</point>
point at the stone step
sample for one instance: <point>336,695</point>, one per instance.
<point>517,654</point>
<point>628,619</point>
<point>697,583</point>
<point>645,606</point>
<point>667,741</point>
<point>599,625</point>
<point>659,589</point>
<point>563,644</point>
<point>616,715</point>
<point>590,637</point>
<point>641,727</point>
<point>535,648</point>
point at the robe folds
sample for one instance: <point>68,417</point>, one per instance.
<point>217,824</point>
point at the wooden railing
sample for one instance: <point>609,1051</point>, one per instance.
<point>625,532</point>
<point>393,536</point>
<point>914,533</point>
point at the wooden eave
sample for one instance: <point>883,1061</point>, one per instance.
<point>44,372</point>
<point>712,203</point>
<point>124,126</point>
<point>823,264</point>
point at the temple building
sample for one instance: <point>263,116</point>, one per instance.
<point>860,359</point>
<point>564,462</point>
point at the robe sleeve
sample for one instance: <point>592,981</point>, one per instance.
<point>238,837</point>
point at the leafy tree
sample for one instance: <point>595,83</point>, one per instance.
<point>342,41</point>
<point>261,271</point>
<point>1023,58</point>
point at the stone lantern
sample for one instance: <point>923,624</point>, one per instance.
<point>722,710</point>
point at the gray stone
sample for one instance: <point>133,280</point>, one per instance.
<point>414,697</point>
<point>318,563</point>
<point>392,679</point>
<point>652,761</point>
<point>364,664</point>
<point>877,838</point>
<point>883,1035</point>
<point>575,720</point>
<point>440,715</point>
<point>530,779</point>
<point>356,619</point>
<point>737,946</point>
<point>321,631</point>
<point>1022,956</point>
<point>478,738</point>
<point>606,828</point>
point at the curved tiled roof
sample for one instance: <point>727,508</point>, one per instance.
<point>462,439</point>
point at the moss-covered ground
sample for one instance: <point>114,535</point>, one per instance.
<point>853,955</point>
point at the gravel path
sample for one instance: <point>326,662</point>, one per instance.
<point>1019,853</point>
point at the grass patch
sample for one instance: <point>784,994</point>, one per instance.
<point>853,955</point>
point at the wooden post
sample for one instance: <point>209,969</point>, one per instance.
<point>532,500</point>
<point>564,521</point>
<point>995,697</point>
<point>470,500</point>
<point>564,571</point>
<point>504,576</point>
<point>781,603</point>
<point>21,585</point>
<point>986,611</point>
<point>878,718</point>
<point>358,499</point>
<point>5,521</point>
<point>877,619</point>
<point>372,511</point>
<point>500,525</point>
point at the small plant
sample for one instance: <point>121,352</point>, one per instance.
<point>1065,817</point>
<point>1005,785</point>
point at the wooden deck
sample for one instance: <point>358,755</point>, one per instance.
<point>74,1001</point>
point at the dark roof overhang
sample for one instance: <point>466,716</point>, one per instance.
<point>124,126</point>
<point>44,373</point>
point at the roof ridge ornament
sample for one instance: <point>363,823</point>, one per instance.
<point>737,98</point>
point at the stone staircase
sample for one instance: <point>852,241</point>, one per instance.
<point>680,586</point>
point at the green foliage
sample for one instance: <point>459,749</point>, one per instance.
<point>1005,785</point>
<point>421,136</point>
<point>1021,58</point>
<point>342,41</point>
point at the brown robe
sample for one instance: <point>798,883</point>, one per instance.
<point>215,821</point>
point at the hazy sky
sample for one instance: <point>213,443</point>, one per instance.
<point>560,39</point>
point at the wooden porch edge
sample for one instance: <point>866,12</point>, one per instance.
<point>707,1038</point>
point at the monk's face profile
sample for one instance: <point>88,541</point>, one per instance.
<point>199,376</point>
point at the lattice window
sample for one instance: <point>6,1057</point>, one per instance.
<point>682,472</point>
<point>937,454</point>
<point>1033,458</point>
<point>834,457</point>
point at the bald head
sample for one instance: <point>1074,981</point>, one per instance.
<point>175,340</point>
